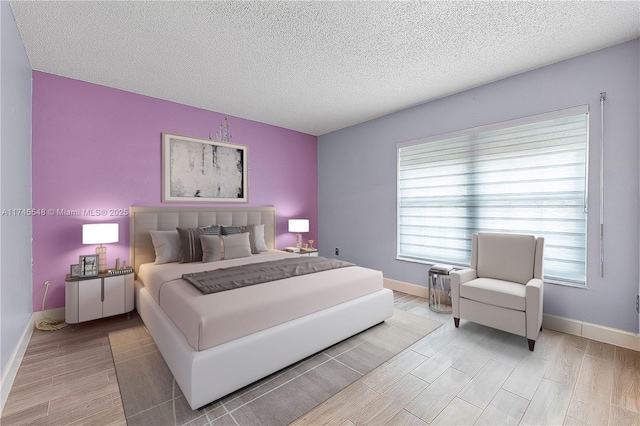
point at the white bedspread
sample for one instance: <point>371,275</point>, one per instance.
<point>213,319</point>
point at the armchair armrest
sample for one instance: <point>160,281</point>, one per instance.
<point>534,296</point>
<point>463,275</point>
<point>455,279</point>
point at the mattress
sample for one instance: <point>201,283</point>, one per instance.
<point>213,319</point>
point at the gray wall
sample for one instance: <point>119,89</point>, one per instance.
<point>357,175</point>
<point>15,192</point>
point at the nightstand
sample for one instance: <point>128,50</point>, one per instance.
<point>303,252</point>
<point>102,296</point>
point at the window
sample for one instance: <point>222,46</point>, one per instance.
<point>522,176</point>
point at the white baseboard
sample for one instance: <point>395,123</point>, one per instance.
<point>11,369</point>
<point>413,289</point>
<point>596,332</point>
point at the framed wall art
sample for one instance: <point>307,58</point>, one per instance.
<point>202,170</point>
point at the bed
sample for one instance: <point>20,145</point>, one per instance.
<point>218,343</point>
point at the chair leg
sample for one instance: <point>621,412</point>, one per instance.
<point>456,321</point>
<point>532,344</point>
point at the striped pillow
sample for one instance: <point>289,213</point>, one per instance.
<point>231,230</point>
<point>211,230</point>
<point>190,246</point>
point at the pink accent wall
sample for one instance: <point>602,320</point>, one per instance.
<point>96,147</point>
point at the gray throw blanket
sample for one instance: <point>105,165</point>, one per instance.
<point>256,273</point>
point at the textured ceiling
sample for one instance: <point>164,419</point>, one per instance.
<point>314,66</point>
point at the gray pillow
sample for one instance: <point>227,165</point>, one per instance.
<point>190,246</point>
<point>235,246</point>
<point>211,248</point>
<point>166,244</point>
<point>211,230</point>
<point>230,230</point>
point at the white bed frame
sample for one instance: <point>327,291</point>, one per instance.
<point>205,376</point>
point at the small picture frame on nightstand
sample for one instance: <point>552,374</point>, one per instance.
<point>75,271</point>
<point>88,264</point>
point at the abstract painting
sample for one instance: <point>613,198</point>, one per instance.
<point>201,170</point>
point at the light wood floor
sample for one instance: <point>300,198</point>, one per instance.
<point>470,375</point>
<point>478,375</point>
<point>68,377</point>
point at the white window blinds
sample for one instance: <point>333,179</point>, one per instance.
<point>522,176</point>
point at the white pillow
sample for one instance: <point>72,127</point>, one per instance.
<point>235,246</point>
<point>211,248</point>
<point>166,244</point>
<point>258,236</point>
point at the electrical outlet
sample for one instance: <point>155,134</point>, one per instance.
<point>337,251</point>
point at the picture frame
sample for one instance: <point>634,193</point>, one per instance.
<point>88,265</point>
<point>74,270</point>
<point>203,171</point>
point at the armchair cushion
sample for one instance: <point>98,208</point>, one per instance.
<point>504,294</point>
<point>508,257</point>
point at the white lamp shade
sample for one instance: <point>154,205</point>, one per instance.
<point>100,233</point>
<point>298,225</point>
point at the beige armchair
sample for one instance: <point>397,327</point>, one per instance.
<point>503,288</point>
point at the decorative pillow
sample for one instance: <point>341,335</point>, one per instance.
<point>258,236</point>
<point>211,248</point>
<point>231,230</point>
<point>166,245</point>
<point>235,246</point>
<point>211,230</point>
<point>252,239</point>
<point>190,246</point>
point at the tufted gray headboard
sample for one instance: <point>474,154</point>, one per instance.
<point>167,218</point>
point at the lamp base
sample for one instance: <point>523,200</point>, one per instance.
<point>299,240</point>
<point>101,251</point>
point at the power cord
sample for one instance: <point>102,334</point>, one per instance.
<point>48,324</point>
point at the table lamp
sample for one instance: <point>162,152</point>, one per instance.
<point>100,233</point>
<point>298,226</point>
